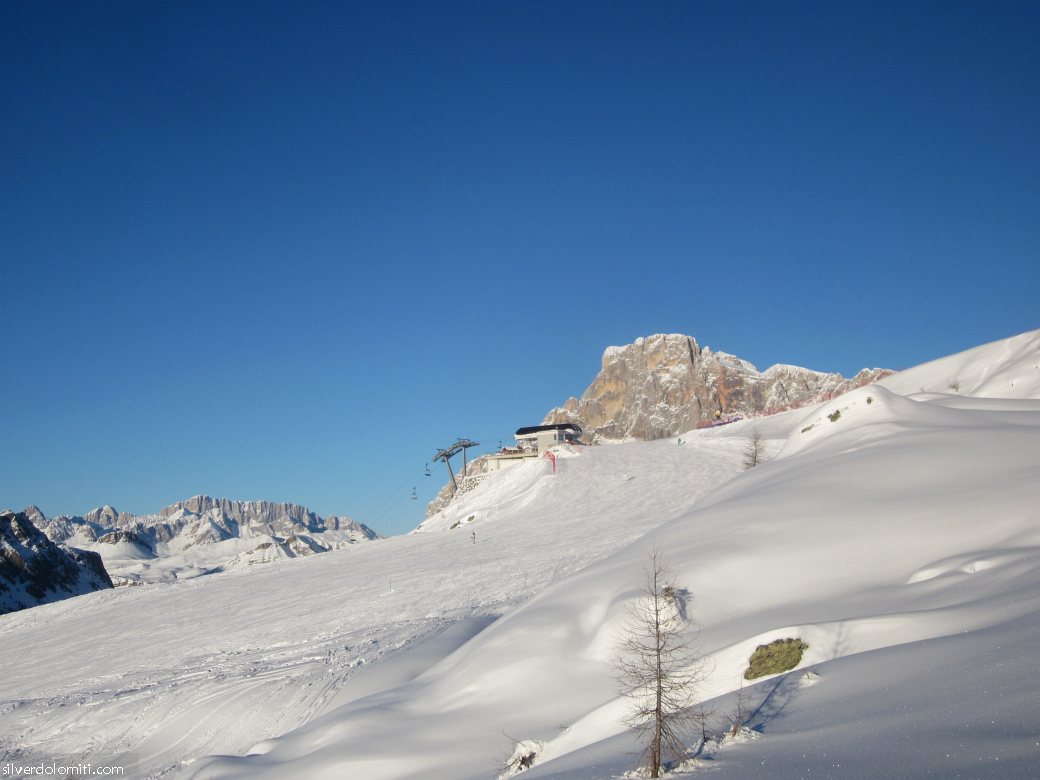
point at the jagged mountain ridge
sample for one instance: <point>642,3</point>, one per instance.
<point>666,384</point>
<point>34,570</point>
<point>278,517</point>
<point>201,535</point>
<point>224,517</point>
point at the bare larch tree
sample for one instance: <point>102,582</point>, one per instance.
<point>753,453</point>
<point>658,668</point>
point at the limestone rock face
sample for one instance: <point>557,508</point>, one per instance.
<point>667,384</point>
<point>273,517</point>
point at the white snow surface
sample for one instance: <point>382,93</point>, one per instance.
<point>895,529</point>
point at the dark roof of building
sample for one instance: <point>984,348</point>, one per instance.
<point>557,427</point>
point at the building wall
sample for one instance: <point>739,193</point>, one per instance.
<point>498,464</point>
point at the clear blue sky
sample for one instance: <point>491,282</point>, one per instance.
<point>288,250</point>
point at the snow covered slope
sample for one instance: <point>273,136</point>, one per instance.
<point>897,536</point>
<point>896,533</point>
<point>169,672</point>
<point>1009,368</point>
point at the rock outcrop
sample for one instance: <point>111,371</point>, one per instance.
<point>664,385</point>
<point>34,570</point>
<point>475,472</point>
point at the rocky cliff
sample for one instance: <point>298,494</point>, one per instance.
<point>273,517</point>
<point>34,570</point>
<point>664,385</point>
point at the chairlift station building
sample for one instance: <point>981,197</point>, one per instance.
<point>533,441</point>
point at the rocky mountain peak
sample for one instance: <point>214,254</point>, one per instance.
<point>34,570</point>
<point>278,517</point>
<point>665,384</point>
<point>35,515</point>
<point>108,517</point>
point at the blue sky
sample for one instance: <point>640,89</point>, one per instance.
<point>289,250</point>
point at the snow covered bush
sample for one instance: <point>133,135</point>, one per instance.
<point>525,751</point>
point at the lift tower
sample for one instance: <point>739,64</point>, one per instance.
<point>445,455</point>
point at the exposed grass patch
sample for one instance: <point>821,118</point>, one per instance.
<point>778,656</point>
<point>833,416</point>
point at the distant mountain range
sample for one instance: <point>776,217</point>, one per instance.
<point>667,384</point>
<point>198,536</point>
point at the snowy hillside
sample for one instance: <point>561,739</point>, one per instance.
<point>893,531</point>
<point>174,671</point>
<point>903,526</point>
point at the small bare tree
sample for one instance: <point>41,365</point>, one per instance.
<point>753,452</point>
<point>739,716</point>
<point>658,669</point>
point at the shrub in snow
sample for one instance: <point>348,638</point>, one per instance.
<point>525,752</point>
<point>833,416</point>
<point>776,657</point>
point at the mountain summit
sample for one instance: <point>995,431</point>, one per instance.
<point>667,384</point>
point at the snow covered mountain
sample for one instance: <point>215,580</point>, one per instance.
<point>666,384</point>
<point>893,530</point>
<point>34,570</point>
<point>201,535</point>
